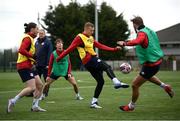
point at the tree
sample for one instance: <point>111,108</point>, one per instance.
<point>112,27</point>
<point>67,21</point>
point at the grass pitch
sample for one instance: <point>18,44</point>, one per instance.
<point>153,103</point>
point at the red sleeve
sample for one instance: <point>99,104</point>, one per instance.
<point>51,59</point>
<point>25,45</point>
<point>140,40</point>
<point>69,66</point>
<point>104,47</point>
<point>75,43</point>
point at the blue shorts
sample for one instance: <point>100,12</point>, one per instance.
<point>27,74</point>
<point>149,71</point>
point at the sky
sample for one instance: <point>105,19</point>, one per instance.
<point>157,14</point>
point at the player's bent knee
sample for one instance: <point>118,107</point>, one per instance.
<point>101,83</point>
<point>33,88</point>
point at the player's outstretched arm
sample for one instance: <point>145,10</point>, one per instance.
<point>104,47</point>
<point>75,43</point>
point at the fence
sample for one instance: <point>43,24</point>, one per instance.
<point>166,65</point>
<point>8,59</point>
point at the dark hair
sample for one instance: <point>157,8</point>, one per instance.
<point>137,20</point>
<point>58,40</point>
<point>28,27</point>
<point>88,24</point>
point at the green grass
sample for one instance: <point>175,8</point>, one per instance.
<point>153,103</point>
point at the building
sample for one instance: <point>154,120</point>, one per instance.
<point>170,43</point>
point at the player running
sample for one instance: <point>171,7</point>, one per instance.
<point>150,57</point>
<point>60,69</point>
<point>25,67</point>
<point>85,43</point>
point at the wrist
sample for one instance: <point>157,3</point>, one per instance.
<point>125,43</point>
<point>116,49</point>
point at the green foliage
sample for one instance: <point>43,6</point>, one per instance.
<point>67,21</point>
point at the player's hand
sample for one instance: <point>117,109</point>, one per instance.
<point>34,56</point>
<point>33,68</point>
<point>119,48</point>
<point>69,75</point>
<point>48,78</point>
<point>121,43</point>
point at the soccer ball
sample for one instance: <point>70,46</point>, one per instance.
<point>125,68</point>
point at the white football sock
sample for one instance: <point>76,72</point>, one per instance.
<point>41,95</point>
<point>162,85</point>
<point>35,102</point>
<point>116,81</point>
<point>16,98</point>
<point>77,94</point>
<point>94,100</point>
<point>131,105</point>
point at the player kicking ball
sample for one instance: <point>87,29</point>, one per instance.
<point>150,57</point>
<point>85,43</point>
<point>60,69</point>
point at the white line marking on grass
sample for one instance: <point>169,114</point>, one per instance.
<point>83,81</point>
<point>61,88</point>
<point>50,102</point>
<point>79,81</point>
<point>3,92</point>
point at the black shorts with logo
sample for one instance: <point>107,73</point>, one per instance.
<point>149,71</point>
<point>27,74</point>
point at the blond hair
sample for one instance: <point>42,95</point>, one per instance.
<point>88,24</point>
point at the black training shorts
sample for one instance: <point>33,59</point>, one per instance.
<point>27,74</point>
<point>149,71</point>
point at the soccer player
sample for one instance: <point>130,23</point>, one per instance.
<point>150,57</point>
<point>85,43</point>
<point>25,68</point>
<point>60,69</point>
<point>44,49</point>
